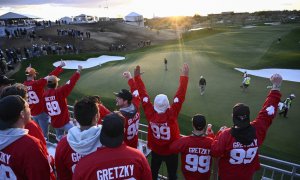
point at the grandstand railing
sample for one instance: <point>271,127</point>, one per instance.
<point>271,168</point>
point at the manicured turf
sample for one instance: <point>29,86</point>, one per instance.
<point>213,55</point>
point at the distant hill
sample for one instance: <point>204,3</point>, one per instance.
<point>103,34</point>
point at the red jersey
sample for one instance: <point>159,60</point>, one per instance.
<point>25,158</point>
<point>122,162</point>
<point>195,156</point>
<point>35,92</point>
<point>65,159</point>
<point>163,128</point>
<point>56,102</point>
<point>103,111</point>
<point>35,131</point>
<point>132,117</point>
<point>238,161</point>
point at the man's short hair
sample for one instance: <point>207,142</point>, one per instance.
<point>124,94</point>
<point>85,110</point>
<point>16,89</point>
<point>10,109</point>
<point>199,122</point>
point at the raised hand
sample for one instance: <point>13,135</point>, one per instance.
<point>185,70</point>
<point>79,68</point>
<point>276,81</point>
<point>137,71</point>
<point>127,75</point>
<point>62,63</point>
<point>222,128</point>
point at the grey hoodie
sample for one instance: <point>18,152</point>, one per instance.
<point>84,142</point>
<point>129,111</point>
<point>10,135</point>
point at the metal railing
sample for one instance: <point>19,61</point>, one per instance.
<point>271,168</point>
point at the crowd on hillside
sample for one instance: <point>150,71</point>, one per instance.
<point>104,145</point>
<point>73,33</point>
<point>13,55</point>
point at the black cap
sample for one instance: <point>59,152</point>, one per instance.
<point>241,115</point>
<point>5,80</point>
<point>10,108</point>
<point>112,132</point>
<point>199,122</point>
<point>124,94</point>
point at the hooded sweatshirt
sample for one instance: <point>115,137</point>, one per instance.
<point>73,147</point>
<point>24,156</point>
<point>84,142</point>
<point>11,135</point>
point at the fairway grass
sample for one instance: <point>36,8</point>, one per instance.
<point>214,56</point>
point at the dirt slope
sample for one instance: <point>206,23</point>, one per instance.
<point>114,33</point>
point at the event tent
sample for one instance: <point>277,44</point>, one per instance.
<point>134,19</point>
<point>11,16</point>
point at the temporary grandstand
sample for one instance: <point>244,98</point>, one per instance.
<point>11,21</point>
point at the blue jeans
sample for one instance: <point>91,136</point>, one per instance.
<point>43,120</point>
<point>61,131</point>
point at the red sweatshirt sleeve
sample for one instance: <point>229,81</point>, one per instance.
<point>103,112</point>
<point>37,163</point>
<point>180,94</point>
<point>66,89</point>
<point>266,115</point>
<point>56,71</point>
<point>135,93</point>
<point>146,103</point>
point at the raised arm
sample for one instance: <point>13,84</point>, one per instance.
<point>55,72</point>
<point>59,69</point>
<point>68,87</point>
<point>181,91</point>
<point>269,109</point>
<point>145,99</point>
<point>133,88</point>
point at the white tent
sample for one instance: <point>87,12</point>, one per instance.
<point>134,19</point>
<point>11,15</point>
<point>67,19</point>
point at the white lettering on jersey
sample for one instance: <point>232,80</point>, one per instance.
<point>270,110</point>
<point>240,145</point>
<point>199,151</point>
<point>116,172</point>
<point>76,157</point>
<point>135,93</point>
<point>145,99</point>
<point>50,98</point>
<point>4,157</point>
<point>176,100</point>
<point>161,131</point>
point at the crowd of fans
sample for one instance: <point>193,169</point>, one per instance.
<point>104,146</point>
<point>73,33</point>
<point>143,43</point>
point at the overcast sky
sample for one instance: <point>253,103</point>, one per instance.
<point>55,9</point>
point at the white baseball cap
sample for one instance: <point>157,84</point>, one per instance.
<point>161,103</point>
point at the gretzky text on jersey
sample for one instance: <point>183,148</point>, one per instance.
<point>118,172</point>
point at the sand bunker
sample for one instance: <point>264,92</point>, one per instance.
<point>91,62</point>
<point>287,74</point>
